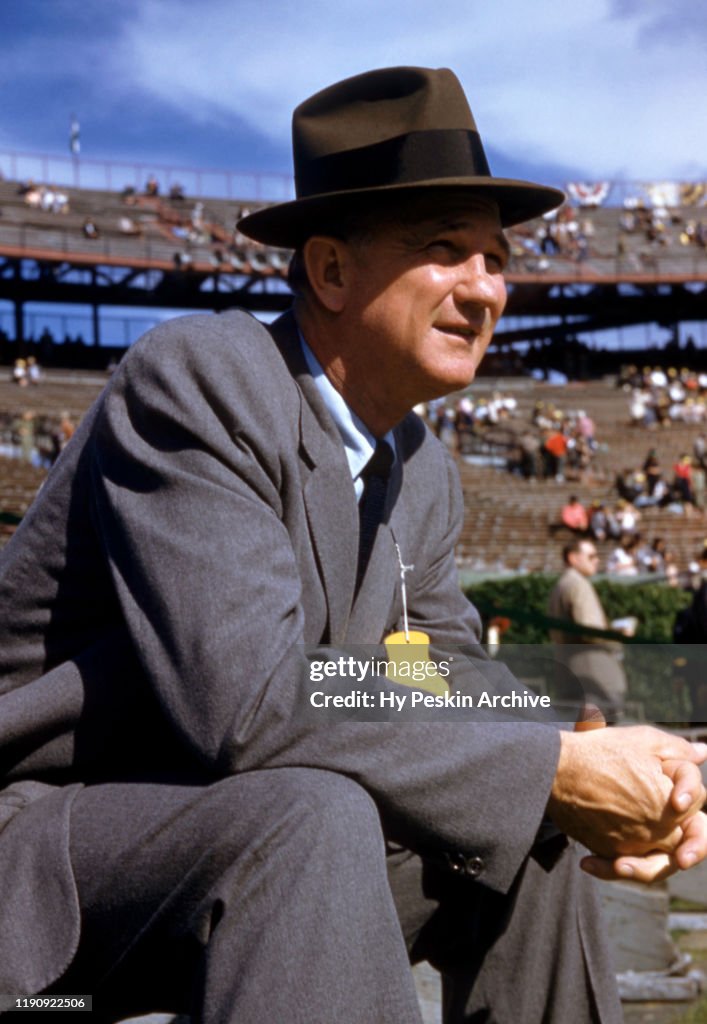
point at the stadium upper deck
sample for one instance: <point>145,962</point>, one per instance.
<point>592,266</point>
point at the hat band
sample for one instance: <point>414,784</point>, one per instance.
<point>413,157</point>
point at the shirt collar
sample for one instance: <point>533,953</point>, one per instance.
<point>359,442</point>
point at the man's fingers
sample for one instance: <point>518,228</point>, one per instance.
<point>651,868</point>
<point>693,848</point>
<point>689,793</point>
<point>626,792</point>
<point>675,748</point>
<point>656,865</point>
<point>667,844</point>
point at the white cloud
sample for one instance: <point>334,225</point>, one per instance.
<point>601,86</point>
<point>578,84</point>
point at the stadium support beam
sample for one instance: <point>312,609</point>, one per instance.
<point>95,311</point>
<point>96,322</point>
<point>19,322</point>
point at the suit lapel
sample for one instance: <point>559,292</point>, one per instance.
<point>332,511</point>
<point>333,525</point>
<point>329,496</point>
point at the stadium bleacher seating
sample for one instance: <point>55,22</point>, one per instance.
<point>510,524</point>
<point>498,533</point>
<point>46,233</point>
<point>41,231</point>
<point>59,393</point>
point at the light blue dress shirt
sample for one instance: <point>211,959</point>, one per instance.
<point>359,442</point>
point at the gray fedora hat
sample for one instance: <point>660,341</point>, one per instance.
<point>388,130</point>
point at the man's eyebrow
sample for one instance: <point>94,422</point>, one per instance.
<point>424,230</point>
<point>457,224</point>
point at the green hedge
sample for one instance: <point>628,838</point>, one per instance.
<point>654,604</point>
<point>654,683</point>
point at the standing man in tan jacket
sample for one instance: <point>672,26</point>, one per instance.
<point>595,661</point>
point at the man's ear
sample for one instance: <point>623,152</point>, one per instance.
<point>326,263</point>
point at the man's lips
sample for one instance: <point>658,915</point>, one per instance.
<point>460,330</point>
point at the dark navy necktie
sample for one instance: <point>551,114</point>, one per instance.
<point>375,476</point>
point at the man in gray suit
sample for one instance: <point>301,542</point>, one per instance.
<point>175,832</point>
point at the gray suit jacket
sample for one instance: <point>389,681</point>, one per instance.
<point>200,527</point>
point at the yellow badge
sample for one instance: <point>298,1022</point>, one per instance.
<point>409,662</point>
<point>409,651</point>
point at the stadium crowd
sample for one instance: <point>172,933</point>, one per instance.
<point>659,397</point>
<point>556,444</point>
<point>49,198</point>
<point>468,417</point>
<point>681,491</point>
<point>565,233</point>
<point>661,225</point>
<point>34,438</point>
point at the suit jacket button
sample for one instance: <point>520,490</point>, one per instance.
<point>456,862</point>
<point>474,866</point>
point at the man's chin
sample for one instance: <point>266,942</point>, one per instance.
<point>454,380</point>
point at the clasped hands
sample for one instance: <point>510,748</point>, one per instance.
<point>634,797</point>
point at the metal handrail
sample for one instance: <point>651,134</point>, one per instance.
<point>113,175</point>
<point>684,264</point>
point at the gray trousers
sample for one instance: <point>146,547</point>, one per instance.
<point>272,896</point>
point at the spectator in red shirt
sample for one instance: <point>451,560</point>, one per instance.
<point>574,515</point>
<point>555,449</point>
<point>683,479</point>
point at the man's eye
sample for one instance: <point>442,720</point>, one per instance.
<point>442,243</point>
<point>495,261</point>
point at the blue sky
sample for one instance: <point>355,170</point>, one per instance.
<point>603,89</point>
<point>561,91</point>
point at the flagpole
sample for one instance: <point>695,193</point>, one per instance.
<point>75,146</point>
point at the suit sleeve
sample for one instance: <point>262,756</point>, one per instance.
<point>188,510</point>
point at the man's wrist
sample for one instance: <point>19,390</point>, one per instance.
<point>563,790</point>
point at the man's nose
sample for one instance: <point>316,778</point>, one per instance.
<point>478,283</point>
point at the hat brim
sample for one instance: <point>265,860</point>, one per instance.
<point>288,225</point>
